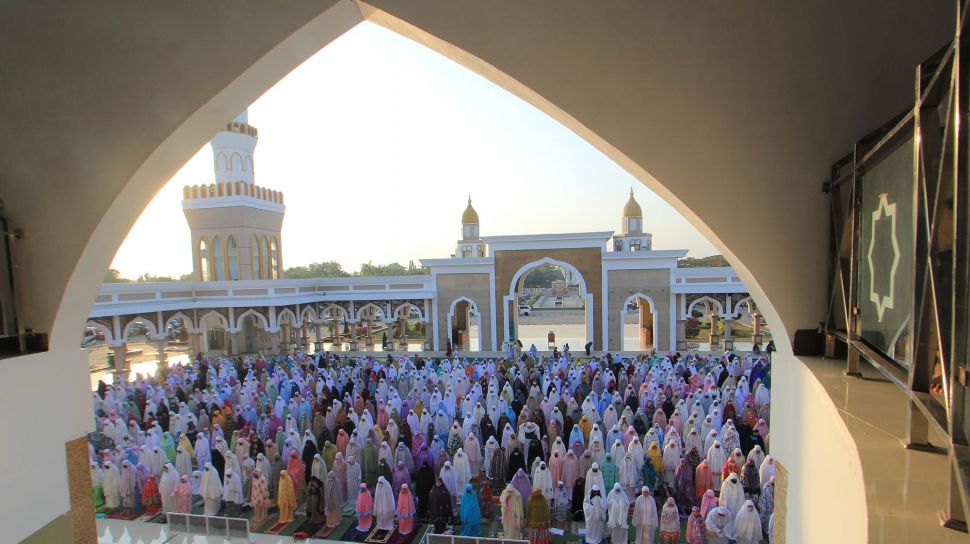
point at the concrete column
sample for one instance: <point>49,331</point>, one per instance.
<point>353,335</point>
<point>715,338</point>
<point>428,336</point>
<point>304,338</point>
<point>369,339</point>
<point>120,352</point>
<point>160,345</point>
<point>274,341</point>
<point>236,342</point>
<point>196,343</point>
<point>318,343</point>
<point>756,328</point>
<point>681,335</point>
<point>403,325</point>
<point>728,339</point>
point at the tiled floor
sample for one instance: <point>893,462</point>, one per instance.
<point>905,489</point>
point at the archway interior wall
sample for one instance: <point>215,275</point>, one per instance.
<point>476,287</point>
<point>655,284</point>
<point>587,261</point>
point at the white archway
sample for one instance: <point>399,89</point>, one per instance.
<point>308,314</point>
<point>376,312</point>
<point>473,311</point>
<point>291,318</point>
<point>251,312</point>
<point>623,311</point>
<point>186,320</point>
<point>510,302</point>
<point>408,306</point>
<point>206,321</point>
<point>710,302</point>
<point>102,328</point>
<point>149,325</point>
<point>746,301</point>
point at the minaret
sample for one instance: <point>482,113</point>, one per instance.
<point>235,224</point>
<point>631,236</point>
<point>470,246</point>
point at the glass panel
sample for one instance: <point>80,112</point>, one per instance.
<point>885,254</point>
<point>264,257</point>
<point>256,259</point>
<point>218,259</point>
<point>274,260</point>
<point>204,261</point>
<point>233,252</point>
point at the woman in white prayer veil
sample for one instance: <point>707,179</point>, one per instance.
<point>671,456</point>
<point>716,457</point>
<point>610,417</point>
<point>594,477</point>
<point>447,475</point>
<point>319,468</point>
<point>732,494</point>
<point>232,492</point>
<point>463,471</point>
<point>629,476</point>
<point>617,450</point>
<point>747,525</point>
<point>594,510</point>
<point>507,433</point>
<point>756,455</point>
<point>111,485</point>
<point>542,480</point>
<point>384,506</point>
<point>353,480</point>
<point>619,506</point>
<point>645,517</point>
<point>491,446</point>
<point>719,525</point>
<point>558,446</point>
<point>183,462</point>
<point>596,447</point>
<point>473,450</point>
<point>710,440</point>
<point>157,461</point>
<point>767,469</point>
<point>210,488</point>
<point>166,485</point>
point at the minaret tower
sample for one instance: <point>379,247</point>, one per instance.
<point>235,224</point>
<point>631,236</point>
<point>470,246</point>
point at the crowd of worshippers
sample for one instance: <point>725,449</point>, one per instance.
<point>558,440</point>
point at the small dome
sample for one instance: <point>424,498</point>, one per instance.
<point>632,208</point>
<point>469,215</point>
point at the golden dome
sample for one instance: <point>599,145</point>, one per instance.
<point>632,208</point>
<point>469,215</point>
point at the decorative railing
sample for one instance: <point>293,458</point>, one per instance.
<point>231,189</point>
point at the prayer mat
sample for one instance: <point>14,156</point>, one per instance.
<point>354,535</point>
<point>279,526</point>
<point>309,528</point>
<point>324,532</point>
<point>125,514</point>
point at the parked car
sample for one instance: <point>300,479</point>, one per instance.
<point>525,309</point>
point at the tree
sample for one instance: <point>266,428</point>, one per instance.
<point>328,269</point>
<point>113,276</point>
<point>543,276</point>
<point>393,269</point>
<point>146,277</point>
<point>702,262</point>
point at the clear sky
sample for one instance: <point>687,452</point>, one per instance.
<point>377,142</point>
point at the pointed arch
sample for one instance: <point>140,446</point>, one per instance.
<point>288,313</point>
<point>408,306</point>
<point>510,301</point>
<point>146,322</point>
<point>236,162</point>
<point>653,310</point>
<point>308,314</point>
<point>252,312</point>
<point>473,310</point>
<point>341,311</point>
<point>186,320</point>
<point>710,302</point>
<point>378,312</point>
<point>102,328</point>
<point>746,301</point>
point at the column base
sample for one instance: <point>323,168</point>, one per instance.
<point>729,345</point>
<point>951,523</point>
<point>924,447</point>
